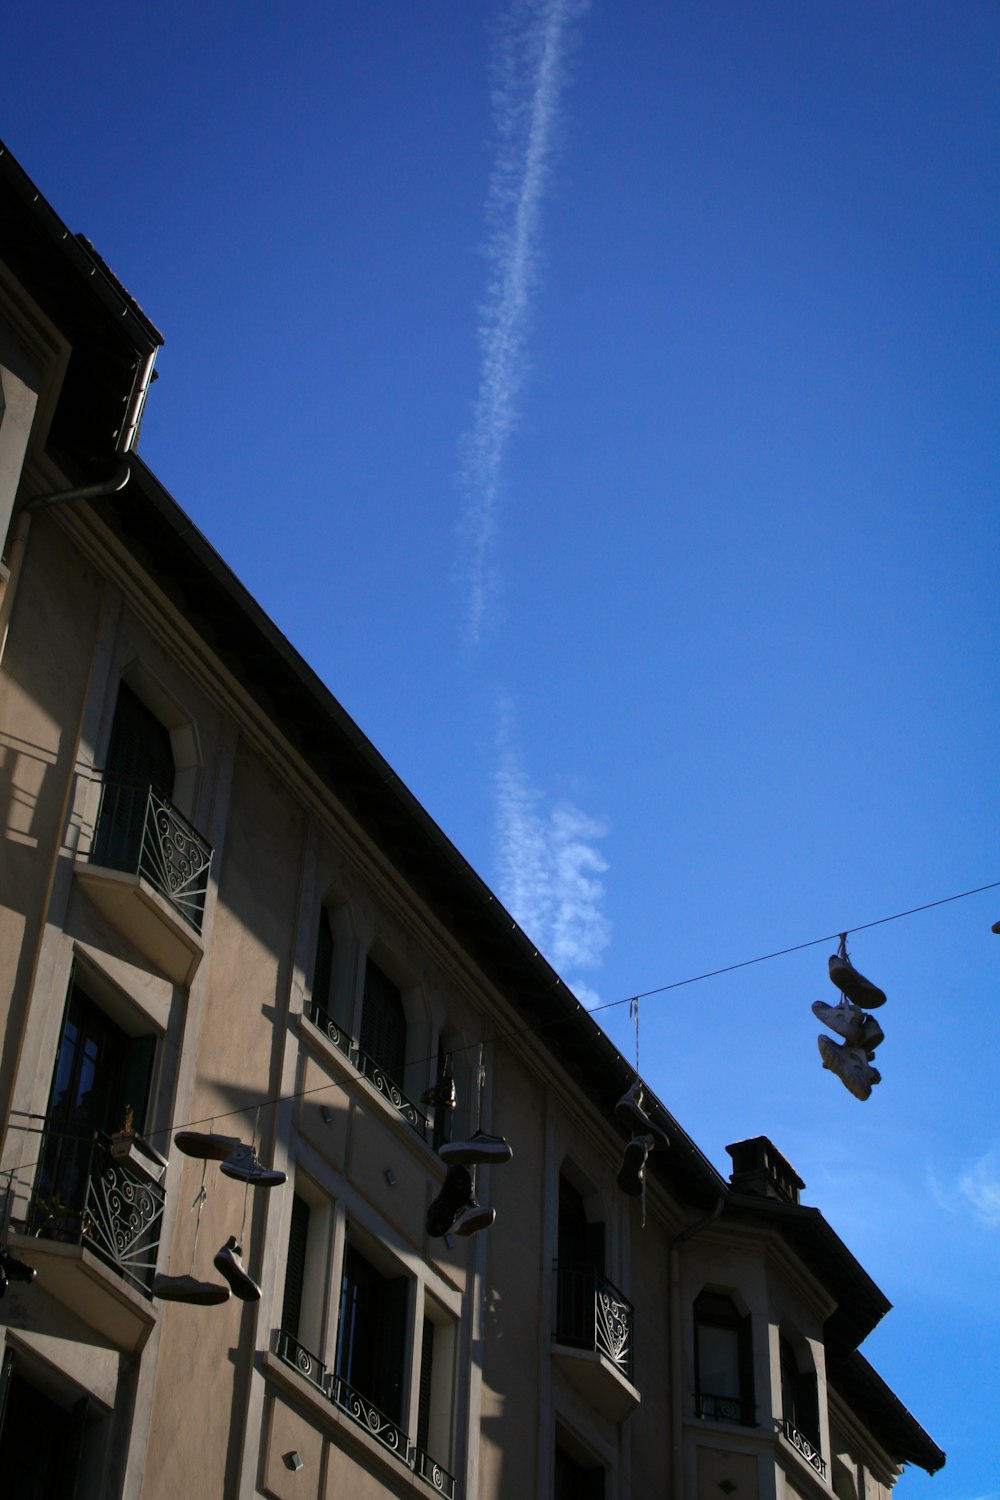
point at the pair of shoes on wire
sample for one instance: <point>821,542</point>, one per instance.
<point>644,1137</point>
<point>228,1262</point>
<point>12,1269</point>
<point>236,1159</point>
<point>455,1209</point>
<point>851,1060</point>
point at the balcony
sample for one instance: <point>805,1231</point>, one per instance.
<point>368,1067</point>
<point>365,1413</point>
<point>805,1446</point>
<point>593,1341</point>
<point>147,872</point>
<point>92,1230</point>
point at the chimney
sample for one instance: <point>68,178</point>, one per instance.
<point>759,1167</point>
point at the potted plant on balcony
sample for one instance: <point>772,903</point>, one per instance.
<point>135,1153</point>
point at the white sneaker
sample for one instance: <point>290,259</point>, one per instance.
<point>851,1066</point>
<point>244,1166</point>
<point>850,1022</point>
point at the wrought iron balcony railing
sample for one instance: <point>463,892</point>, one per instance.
<point>391,1091</point>
<point>805,1446</point>
<point>718,1408</point>
<point>591,1313</point>
<point>435,1474</point>
<point>331,1029</point>
<point>365,1413</point>
<point>309,1365</point>
<point>85,1195</point>
<point>368,1416</point>
<point>141,832</point>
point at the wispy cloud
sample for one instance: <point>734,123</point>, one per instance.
<point>530,73</point>
<point>980,1186</point>
<point>550,875</point>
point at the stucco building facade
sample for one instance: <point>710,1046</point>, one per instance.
<point>221,910</point>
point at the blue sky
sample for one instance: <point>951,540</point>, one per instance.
<point>603,399</point>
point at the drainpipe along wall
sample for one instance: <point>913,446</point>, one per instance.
<point>119,479</point>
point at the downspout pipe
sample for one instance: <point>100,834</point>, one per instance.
<point>674,1341</point>
<point>119,479</point>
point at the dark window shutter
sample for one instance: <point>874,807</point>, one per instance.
<point>139,752</point>
<point>138,1076</point>
<point>383,1024</point>
<point>748,1405</point>
<point>323,968</point>
<point>808,1407</point>
<point>295,1267</point>
<point>595,1247</point>
<point>140,756</point>
<point>391,1345</point>
<point>426,1374</point>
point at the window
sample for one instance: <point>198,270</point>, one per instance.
<point>723,1348</point>
<point>577,1476</point>
<point>140,757</point>
<point>383,1024</point>
<point>434,1400</point>
<point>301,1337</point>
<point>101,1082</point>
<point>800,1406</point>
<point>580,1257</point>
<point>371,1341</point>
<point>41,1444</point>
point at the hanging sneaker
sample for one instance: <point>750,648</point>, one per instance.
<point>630,1114</point>
<point>14,1269</point>
<point>443,1095</point>
<point>229,1264</point>
<point>479,1150</point>
<point>851,1066</point>
<point>473,1218</point>
<point>632,1173</point>
<point>206,1145</point>
<point>858,989</point>
<point>850,1022</point>
<point>242,1164</point>
<point>455,1195</point>
<point>189,1289</point>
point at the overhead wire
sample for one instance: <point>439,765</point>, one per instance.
<point>516,1033</point>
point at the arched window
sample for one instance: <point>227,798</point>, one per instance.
<point>799,1395</point>
<point>723,1359</point>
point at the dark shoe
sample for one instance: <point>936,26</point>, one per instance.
<point>859,990</point>
<point>14,1269</point>
<point>206,1145</point>
<point>479,1150</point>
<point>443,1095</point>
<point>188,1289</point>
<point>632,1173</point>
<point>455,1195</point>
<point>228,1264</point>
<point>473,1218</point>
<point>630,1114</point>
<point>242,1164</point>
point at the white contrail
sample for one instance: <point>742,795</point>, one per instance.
<point>531,68</point>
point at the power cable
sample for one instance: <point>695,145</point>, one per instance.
<point>536,1030</point>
